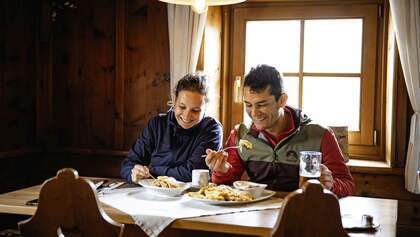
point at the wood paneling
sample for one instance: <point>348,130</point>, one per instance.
<point>84,75</point>
<point>147,65</point>
<point>18,25</point>
<point>87,164</point>
<point>211,51</point>
<point>110,73</point>
<point>19,171</point>
<point>408,221</point>
<point>382,186</point>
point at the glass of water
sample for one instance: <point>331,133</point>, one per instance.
<point>309,164</point>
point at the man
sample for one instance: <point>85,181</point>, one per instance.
<point>278,133</point>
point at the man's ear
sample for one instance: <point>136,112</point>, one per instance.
<point>282,100</point>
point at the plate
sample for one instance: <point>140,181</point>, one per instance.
<point>148,184</point>
<point>265,195</point>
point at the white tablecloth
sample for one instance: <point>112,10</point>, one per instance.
<point>153,213</point>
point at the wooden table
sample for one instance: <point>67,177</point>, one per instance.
<point>257,223</point>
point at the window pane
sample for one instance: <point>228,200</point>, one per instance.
<point>291,87</point>
<point>275,43</point>
<point>327,102</point>
<point>333,45</point>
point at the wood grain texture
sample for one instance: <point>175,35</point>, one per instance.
<point>310,212</point>
<point>77,210</point>
<point>147,65</point>
<point>84,75</point>
<point>211,56</point>
<point>17,73</point>
<point>119,74</point>
<point>382,186</point>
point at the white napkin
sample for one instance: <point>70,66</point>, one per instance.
<point>153,213</point>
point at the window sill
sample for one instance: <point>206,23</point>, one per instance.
<point>373,167</point>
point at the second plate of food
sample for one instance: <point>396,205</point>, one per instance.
<point>214,197</point>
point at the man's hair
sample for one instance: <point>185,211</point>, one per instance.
<point>263,76</point>
<point>194,82</point>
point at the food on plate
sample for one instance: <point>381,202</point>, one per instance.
<point>245,143</point>
<point>221,193</point>
<point>165,182</point>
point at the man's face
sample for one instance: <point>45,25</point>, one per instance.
<point>262,107</point>
<point>189,108</point>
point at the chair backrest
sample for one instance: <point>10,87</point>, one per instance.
<point>310,211</point>
<point>68,206</point>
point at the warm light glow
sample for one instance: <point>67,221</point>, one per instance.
<point>200,6</point>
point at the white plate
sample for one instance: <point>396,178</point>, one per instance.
<point>265,195</point>
<point>148,184</point>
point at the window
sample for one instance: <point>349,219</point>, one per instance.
<point>328,57</point>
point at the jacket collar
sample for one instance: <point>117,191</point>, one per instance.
<point>300,119</point>
<point>177,129</point>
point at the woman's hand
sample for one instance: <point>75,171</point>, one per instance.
<point>217,161</point>
<point>139,172</point>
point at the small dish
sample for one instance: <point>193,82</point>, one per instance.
<point>256,189</point>
<point>148,184</point>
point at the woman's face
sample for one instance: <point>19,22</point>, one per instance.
<point>189,108</point>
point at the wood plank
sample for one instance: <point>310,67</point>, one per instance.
<point>18,73</point>
<point>84,75</point>
<point>147,65</point>
<point>382,185</point>
<point>44,75</point>
<point>119,74</point>
<point>211,56</point>
<point>226,89</point>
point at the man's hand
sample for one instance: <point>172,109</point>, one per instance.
<point>217,161</point>
<point>326,178</point>
<point>139,172</point>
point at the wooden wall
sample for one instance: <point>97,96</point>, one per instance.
<point>18,32</point>
<point>86,106</point>
<point>78,90</point>
<point>109,76</point>
<point>18,78</point>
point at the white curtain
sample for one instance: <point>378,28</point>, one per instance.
<point>406,19</point>
<point>185,34</point>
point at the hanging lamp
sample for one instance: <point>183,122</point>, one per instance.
<point>200,6</point>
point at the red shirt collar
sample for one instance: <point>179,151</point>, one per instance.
<point>274,140</point>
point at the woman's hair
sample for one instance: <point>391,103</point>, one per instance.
<point>194,82</point>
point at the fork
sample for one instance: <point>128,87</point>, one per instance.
<point>109,187</point>
<point>225,149</point>
<point>153,177</point>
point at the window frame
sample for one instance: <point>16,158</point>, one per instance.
<point>368,143</point>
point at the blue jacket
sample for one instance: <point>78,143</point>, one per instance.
<point>168,149</point>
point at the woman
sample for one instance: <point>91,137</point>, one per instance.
<point>173,143</point>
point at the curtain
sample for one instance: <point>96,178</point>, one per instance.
<point>406,19</point>
<point>185,34</point>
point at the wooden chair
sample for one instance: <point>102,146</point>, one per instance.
<point>68,206</point>
<point>310,212</point>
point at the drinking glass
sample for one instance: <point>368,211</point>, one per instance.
<point>309,164</point>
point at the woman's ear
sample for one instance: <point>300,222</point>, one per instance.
<point>283,100</point>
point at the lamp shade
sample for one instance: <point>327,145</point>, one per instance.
<point>200,6</point>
